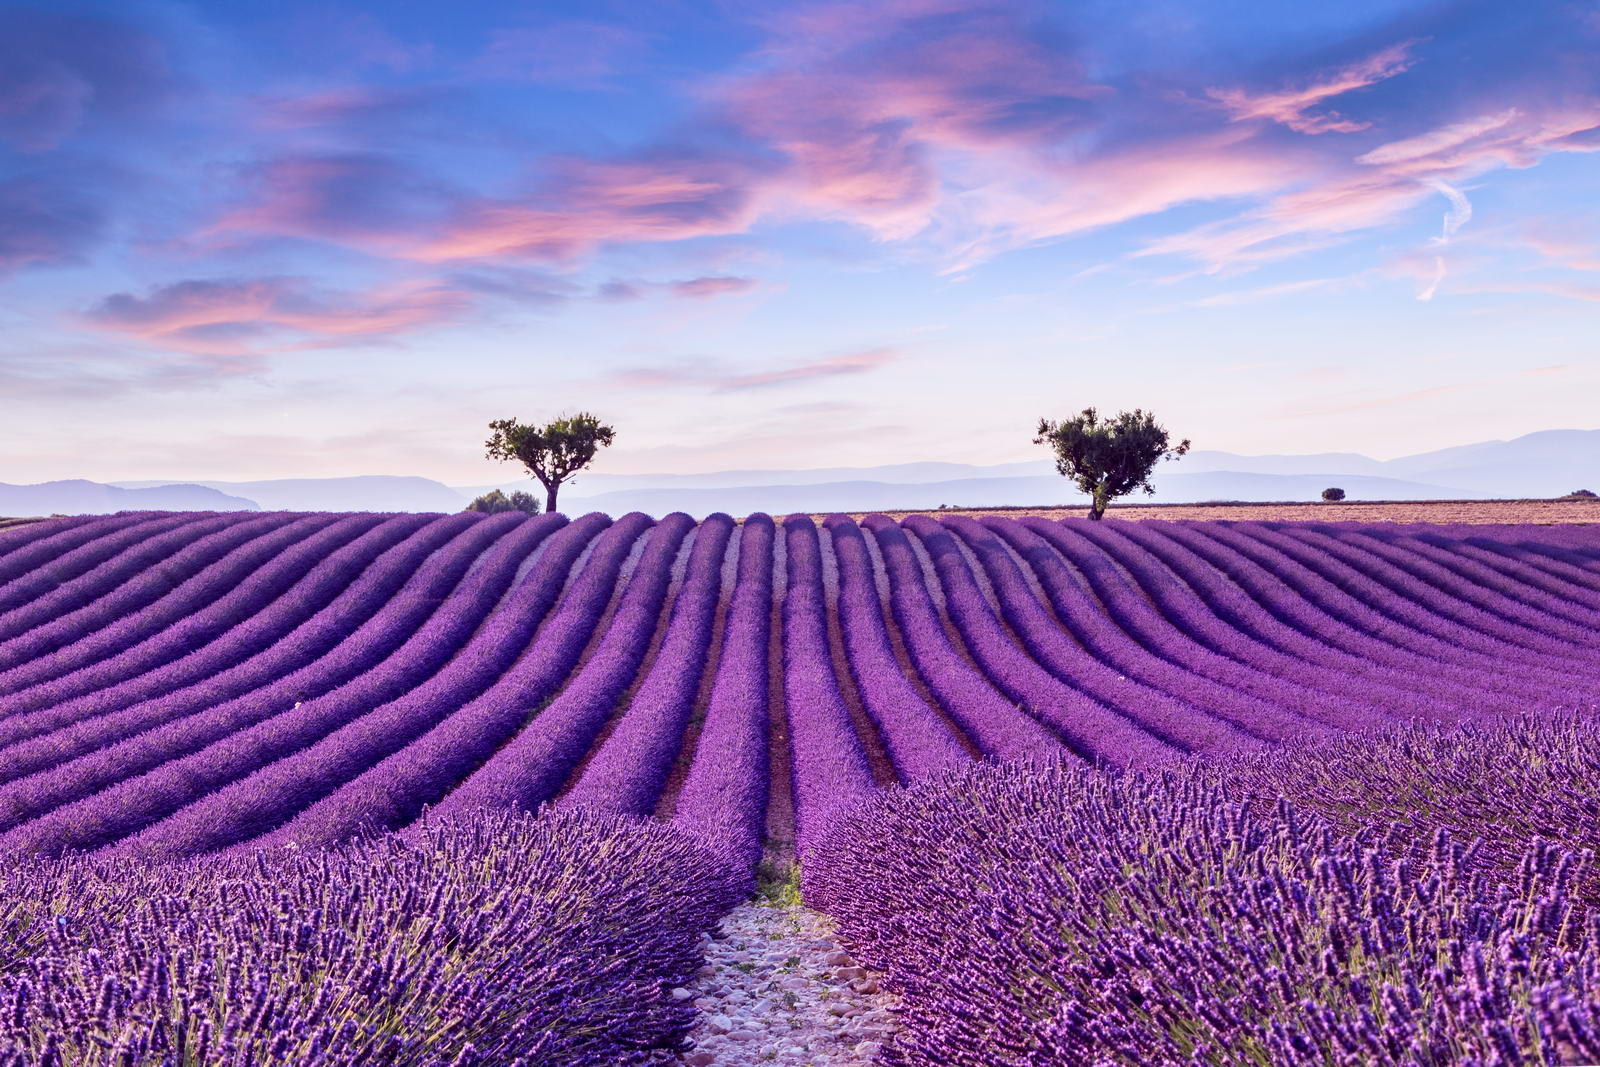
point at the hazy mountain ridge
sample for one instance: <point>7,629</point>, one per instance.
<point>365,492</point>
<point>77,496</point>
<point>1544,464</point>
<point>1043,490</point>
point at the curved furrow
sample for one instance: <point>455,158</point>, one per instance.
<point>132,804</point>
<point>1386,611</point>
<point>284,594</point>
<point>1515,591</point>
<point>724,797</point>
<point>357,663</point>
<point>1572,581</point>
<point>25,549</point>
<point>177,685</point>
<point>1153,602</point>
<point>1311,605</point>
<point>1243,615</point>
<point>629,768</point>
<point>917,737</point>
<point>78,578</point>
<point>1449,606</point>
<point>866,727</point>
<point>187,640</point>
<point>399,788</point>
<point>113,625</point>
<point>1114,737</point>
<point>534,764</point>
<point>1117,623</point>
<point>998,727</point>
<point>727,579</point>
<point>336,596</point>
<point>830,769</point>
<point>389,787</point>
<point>1112,667</point>
<point>516,653</point>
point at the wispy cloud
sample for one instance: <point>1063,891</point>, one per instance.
<point>250,316</point>
<point>718,378</point>
<point>1289,106</point>
<point>1265,292</point>
<point>711,285</point>
<point>1459,214</point>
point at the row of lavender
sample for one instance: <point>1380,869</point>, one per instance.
<point>1416,898</point>
<point>499,940</point>
<point>175,685</point>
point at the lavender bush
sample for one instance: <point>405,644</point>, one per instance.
<point>1325,904</point>
<point>496,939</point>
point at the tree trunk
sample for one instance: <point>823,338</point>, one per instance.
<point>1097,507</point>
<point>550,496</point>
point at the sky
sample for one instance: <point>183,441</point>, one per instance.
<point>264,239</point>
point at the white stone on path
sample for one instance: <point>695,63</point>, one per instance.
<point>777,989</point>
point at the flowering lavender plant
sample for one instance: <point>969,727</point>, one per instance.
<point>497,939</point>
<point>1284,909</point>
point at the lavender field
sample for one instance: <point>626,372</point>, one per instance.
<point>213,726</point>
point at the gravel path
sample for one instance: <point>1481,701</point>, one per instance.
<point>777,989</point>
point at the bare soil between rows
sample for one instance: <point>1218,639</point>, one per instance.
<point>1439,512</point>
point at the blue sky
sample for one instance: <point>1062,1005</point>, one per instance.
<point>254,239</point>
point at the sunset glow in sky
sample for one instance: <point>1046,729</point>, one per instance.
<point>263,239</point>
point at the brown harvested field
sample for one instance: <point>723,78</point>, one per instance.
<point>1430,511</point>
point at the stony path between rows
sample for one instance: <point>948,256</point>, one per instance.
<point>777,989</point>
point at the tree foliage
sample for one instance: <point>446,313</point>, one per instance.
<point>552,453</point>
<point>1111,457</point>
<point>1333,494</point>
<point>494,502</point>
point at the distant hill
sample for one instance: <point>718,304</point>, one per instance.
<point>992,492</point>
<point>369,492</point>
<point>79,497</point>
<point>1545,464</point>
<point>1550,463</point>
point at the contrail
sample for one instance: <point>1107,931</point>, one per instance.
<point>1459,214</point>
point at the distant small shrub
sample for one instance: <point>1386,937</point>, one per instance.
<point>1333,494</point>
<point>495,502</point>
<point>1581,494</point>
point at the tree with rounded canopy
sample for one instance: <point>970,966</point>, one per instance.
<point>552,453</point>
<point>1333,494</point>
<point>495,502</point>
<point>1108,458</point>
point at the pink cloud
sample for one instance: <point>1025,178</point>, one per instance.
<point>1512,138</point>
<point>344,104</point>
<point>249,316</point>
<point>863,98</point>
<point>1288,106</point>
<point>714,376</point>
<point>837,367</point>
<point>712,286</point>
<point>973,127</point>
<point>360,198</point>
<point>591,203</point>
<point>1566,246</point>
